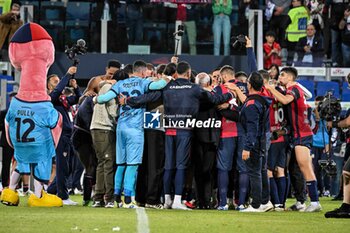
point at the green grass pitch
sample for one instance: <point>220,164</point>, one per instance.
<point>87,219</point>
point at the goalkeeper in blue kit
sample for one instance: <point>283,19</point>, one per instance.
<point>130,135</point>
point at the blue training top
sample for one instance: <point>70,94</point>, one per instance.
<point>30,125</point>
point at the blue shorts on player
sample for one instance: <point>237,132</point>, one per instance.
<point>277,156</point>
<point>303,141</point>
<point>129,145</point>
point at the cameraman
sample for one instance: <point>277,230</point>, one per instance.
<point>64,149</point>
<point>344,210</point>
<point>9,23</point>
<point>320,146</point>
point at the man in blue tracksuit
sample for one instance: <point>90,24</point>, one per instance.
<point>253,117</point>
<point>64,149</point>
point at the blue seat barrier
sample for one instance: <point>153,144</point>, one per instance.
<point>10,78</point>
<point>310,85</point>
<point>345,96</point>
<point>78,11</point>
<point>323,87</point>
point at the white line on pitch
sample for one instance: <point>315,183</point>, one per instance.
<point>142,221</point>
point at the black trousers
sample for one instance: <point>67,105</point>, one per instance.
<point>63,168</point>
<point>150,175</point>
<point>203,156</point>
<point>254,166</point>
<point>7,154</point>
<point>77,171</point>
<point>265,188</point>
<point>83,145</point>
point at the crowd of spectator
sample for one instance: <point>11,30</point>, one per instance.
<point>208,27</point>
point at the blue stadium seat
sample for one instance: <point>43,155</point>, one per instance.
<point>310,85</point>
<point>345,96</point>
<point>323,87</point>
<point>78,11</point>
<point>52,11</point>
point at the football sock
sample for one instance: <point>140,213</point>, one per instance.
<point>14,180</point>
<point>281,187</point>
<point>25,188</point>
<point>168,177</point>
<point>179,181</point>
<point>177,200</point>
<point>222,186</point>
<point>274,192</point>
<point>117,198</point>
<point>243,187</point>
<point>130,182</point>
<point>38,187</point>
<point>167,199</point>
<point>127,199</point>
<point>288,184</point>
<point>312,189</point>
<point>118,180</point>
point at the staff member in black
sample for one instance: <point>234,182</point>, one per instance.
<point>254,117</point>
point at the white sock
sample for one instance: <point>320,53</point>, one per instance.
<point>167,199</point>
<point>177,200</point>
<point>313,203</point>
<point>38,187</point>
<point>133,199</point>
<point>14,180</point>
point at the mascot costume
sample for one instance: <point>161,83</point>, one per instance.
<point>33,126</point>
